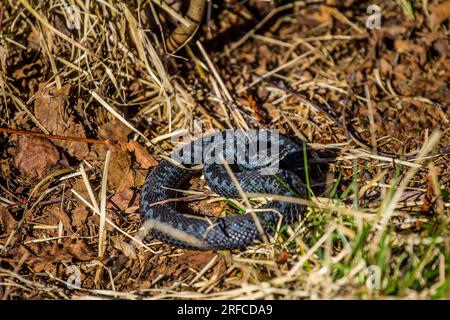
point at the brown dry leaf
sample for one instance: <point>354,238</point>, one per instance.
<point>282,257</point>
<point>123,200</point>
<point>44,252</point>
<point>34,39</point>
<point>385,67</point>
<point>324,14</point>
<point>114,130</point>
<point>443,47</point>
<point>7,222</point>
<point>51,110</point>
<point>439,13</point>
<point>80,187</point>
<point>224,262</point>
<point>428,200</point>
<point>46,255</point>
<point>79,216</point>
<point>197,259</point>
<point>34,157</point>
<point>140,176</point>
<point>55,215</point>
<point>403,46</point>
<point>126,248</point>
<point>143,157</point>
<point>78,249</point>
<point>40,266</point>
<point>120,176</point>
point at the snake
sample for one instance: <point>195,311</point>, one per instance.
<point>278,172</point>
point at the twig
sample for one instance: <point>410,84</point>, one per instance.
<point>53,136</point>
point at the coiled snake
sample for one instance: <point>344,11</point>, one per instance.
<point>196,232</point>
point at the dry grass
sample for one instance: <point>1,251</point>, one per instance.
<point>379,229</point>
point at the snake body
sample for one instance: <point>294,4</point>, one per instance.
<point>171,226</point>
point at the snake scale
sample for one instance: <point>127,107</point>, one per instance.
<point>171,226</point>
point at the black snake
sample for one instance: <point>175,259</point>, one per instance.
<point>171,226</point>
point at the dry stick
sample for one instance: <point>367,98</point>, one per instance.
<point>286,65</point>
<point>53,136</point>
<point>373,139</point>
<point>208,266</point>
<point>22,106</point>
<point>88,187</point>
<point>214,71</point>
<point>16,270</point>
<point>22,220</point>
<point>102,230</point>
<point>436,189</point>
<point>28,7</point>
<point>60,34</point>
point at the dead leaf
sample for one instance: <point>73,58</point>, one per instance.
<point>143,157</point>
<point>403,46</point>
<point>29,70</point>
<point>385,67</point>
<point>34,39</point>
<point>123,199</point>
<point>79,216</point>
<point>7,222</point>
<point>114,131</point>
<point>51,110</point>
<point>282,257</point>
<point>126,248</point>
<point>34,157</point>
<point>439,13</point>
<point>79,250</point>
<point>41,266</point>
<point>323,15</point>
<point>197,259</point>
<point>56,214</point>
<point>121,176</point>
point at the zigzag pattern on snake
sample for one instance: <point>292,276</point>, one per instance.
<point>171,226</point>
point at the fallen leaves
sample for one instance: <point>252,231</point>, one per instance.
<point>197,259</point>
<point>125,247</point>
<point>78,249</point>
<point>439,13</point>
<point>143,157</point>
<point>114,130</point>
<point>175,267</point>
<point>55,215</point>
<point>124,200</point>
<point>34,157</point>
<point>7,223</point>
<point>51,110</point>
<point>121,175</point>
<point>403,46</point>
<point>79,216</point>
